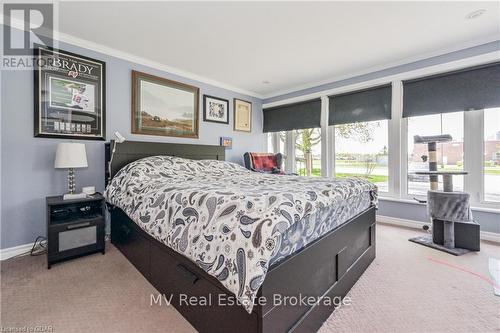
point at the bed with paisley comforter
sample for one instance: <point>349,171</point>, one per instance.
<point>234,224</point>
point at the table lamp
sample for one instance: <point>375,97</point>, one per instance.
<point>69,156</point>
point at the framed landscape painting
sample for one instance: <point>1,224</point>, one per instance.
<point>69,95</point>
<point>242,115</point>
<point>163,107</point>
<point>215,109</point>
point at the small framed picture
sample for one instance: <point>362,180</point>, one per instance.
<point>242,115</point>
<point>226,142</point>
<point>215,109</point>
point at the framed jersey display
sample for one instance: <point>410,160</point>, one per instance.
<point>69,95</point>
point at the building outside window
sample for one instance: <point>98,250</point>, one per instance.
<point>450,155</point>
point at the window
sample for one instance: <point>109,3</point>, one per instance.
<point>273,137</point>
<point>270,145</point>
<point>282,143</point>
<point>491,152</point>
<point>308,152</point>
<point>450,155</point>
<point>361,149</point>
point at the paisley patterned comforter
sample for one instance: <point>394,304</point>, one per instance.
<point>226,219</point>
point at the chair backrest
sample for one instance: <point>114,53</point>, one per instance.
<point>263,162</point>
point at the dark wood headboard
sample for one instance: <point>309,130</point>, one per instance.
<point>130,151</point>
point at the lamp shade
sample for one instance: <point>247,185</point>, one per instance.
<point>71,155</point>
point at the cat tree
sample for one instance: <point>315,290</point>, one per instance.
<point>453,228</point>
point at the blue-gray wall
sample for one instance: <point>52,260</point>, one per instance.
<point>27,163</point>
<point>403,210</point>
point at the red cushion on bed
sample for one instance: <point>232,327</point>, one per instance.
<point>264,162</point>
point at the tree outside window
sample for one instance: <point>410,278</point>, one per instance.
<point>361,151</point>
<point>308,152</point>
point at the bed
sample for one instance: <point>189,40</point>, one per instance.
<point>245,245</point>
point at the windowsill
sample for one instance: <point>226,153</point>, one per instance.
<point>411,201</point>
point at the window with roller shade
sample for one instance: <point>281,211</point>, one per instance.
<point>436,105</point>
<point>360,127</point>
<point>303,119</point>
<point>360,121</point>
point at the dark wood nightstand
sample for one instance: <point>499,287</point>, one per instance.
<point>74,227</point>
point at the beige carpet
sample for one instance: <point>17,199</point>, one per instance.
<point>408,288</point>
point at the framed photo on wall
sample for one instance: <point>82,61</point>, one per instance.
<point>225,141</point>
<point>215,109</point>
<point>163,107</point>
<point>242,115</point>
<point>69,95</point>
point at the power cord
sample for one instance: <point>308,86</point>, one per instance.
<point>39,247</point>
<point>42,246</point>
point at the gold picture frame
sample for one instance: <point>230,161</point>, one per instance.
<point>164,107</point>
<point>242,115</point>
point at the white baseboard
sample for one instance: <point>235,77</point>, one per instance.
<point>490,236</point>
<point>401,222</point>
<point>484,235</point>
<point>15,251</point>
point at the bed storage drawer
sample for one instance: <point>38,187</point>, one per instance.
<point>195,296</point>
<point>328,265</point>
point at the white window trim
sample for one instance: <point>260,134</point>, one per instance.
<point>290,151</point>
<point>395,140</point>
<point>398,134</point>
<point>325,161</point>
<point>473,155</point>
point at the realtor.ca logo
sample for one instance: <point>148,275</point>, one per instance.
<point>25,25</point>
<point>37,20</point>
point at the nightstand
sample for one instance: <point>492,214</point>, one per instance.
<point>74,227</point>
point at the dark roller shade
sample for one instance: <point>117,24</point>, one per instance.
<point>472,88</point>
<point>288,117</point>
<point>359,106</point>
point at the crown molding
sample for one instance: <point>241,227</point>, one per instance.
<point>84,43</point>
<point>109,51</point>
<point>406,61</point>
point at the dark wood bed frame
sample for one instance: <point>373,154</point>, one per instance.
<point>327,268</point>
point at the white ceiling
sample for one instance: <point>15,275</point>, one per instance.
<point>289,44</point>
